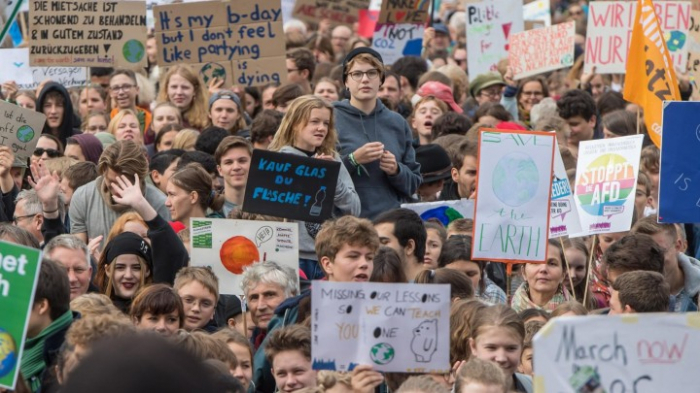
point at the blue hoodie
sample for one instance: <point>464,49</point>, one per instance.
<point>378,192</point>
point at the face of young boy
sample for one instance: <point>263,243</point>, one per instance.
<point>292,371</point>
<point>352,263</point>
<point>199,304</point>
<point>465,177</point>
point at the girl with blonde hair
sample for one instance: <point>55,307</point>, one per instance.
<point>183,88</point>
<point>125,126</point>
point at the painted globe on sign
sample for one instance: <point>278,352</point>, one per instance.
<point>134,51</point>
<point>25,133</point>
<point>8,353</point>
<point>237,253</point>
<point>515,179</point>
<point>382,353</point>
<point>211,71</point>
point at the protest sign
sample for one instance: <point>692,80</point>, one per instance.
<point>338,12</point>
<point>679,172</point>
<point>393,327</point>
<point>15,67</point>
<point>694,54</point>
<point>87,33</point>
<point>291,186</point>
<point>511,218</point>
<point>404,11</point>
<point>367,23</point>
<point>606,182</point>
<point>489,24</point>
<point>239,42</point>
<point>445,211</point>
<point>19,271</point>
<point>538,11</point>
<point>9,9</point>
<point>542,50</point>
<point>395,40</point>
<point>610,28</point>
<point>617,353</point>
<point>20,129</point>
<point>563,213</point>
<point>228,246</point>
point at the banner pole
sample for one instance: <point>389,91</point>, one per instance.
<point>588,272</point>
<point>568,269</point>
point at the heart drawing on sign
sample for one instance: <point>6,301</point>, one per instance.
<point>400,16</point>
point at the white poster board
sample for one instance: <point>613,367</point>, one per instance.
<point>393,327</point>
<point>445,211</point>
<point>396,40</point>
<point>563,212</point>
<point>489,24</point>
<point>606,182</point>
<point>228,246</point>
<point>537,51</point>
<point>15,67</point>
<point>641,353</point>
<point>538,11</point>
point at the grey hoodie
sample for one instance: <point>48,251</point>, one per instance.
<point>378,192</point>
<point>346,201</point>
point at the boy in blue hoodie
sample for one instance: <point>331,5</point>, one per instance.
<point>375,143</point>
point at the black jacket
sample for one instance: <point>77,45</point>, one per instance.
<point>71,123</point>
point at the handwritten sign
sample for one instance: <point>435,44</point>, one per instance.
<point>679,172</point>
<point>445,211</point>
<point>563,213</point>
<point>19,272</point>
<point>538,51</point>
<point>511,218</point>
<point>404,11</point>
<point>241,42</point>
<point>694,54</point>
<point>228,246</point>
<point>338,12</point>
<point>620,353</point>
<point>489,25</point>
<point>291,186</point>
<point>610,28</point>
<point>15,67</point>
<point>538,11</point>
<point>88,33</point>
<point>20,129</point>
<point>393,327</point>
<point>606,182</point>
<point>396,40</point>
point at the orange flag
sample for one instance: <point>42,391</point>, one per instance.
<point>650,78</point>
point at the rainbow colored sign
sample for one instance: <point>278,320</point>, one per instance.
<point>606,180</point>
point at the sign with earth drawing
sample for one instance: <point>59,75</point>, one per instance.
<point>19,271</point>
<point>87,33</point>
<point>20,129</point>
<point>393,327</point>
<point>511,219</point>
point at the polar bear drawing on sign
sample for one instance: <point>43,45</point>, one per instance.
<point>424,343</point>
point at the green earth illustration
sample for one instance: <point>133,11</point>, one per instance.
<point>211,71</point>
<point>25,133</point>
<point>8,353</point>
<point>515,179</point>
<point>134,51</point>
<point>382,353</point>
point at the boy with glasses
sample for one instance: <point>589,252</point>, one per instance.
<point>124,90</point>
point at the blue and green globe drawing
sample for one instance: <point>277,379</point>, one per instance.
<point>515,179</point>
<point>134,51</point>
<point>211,71</point>
<point>25,133</point>
<point>8,353</point>
<point>382,353</point>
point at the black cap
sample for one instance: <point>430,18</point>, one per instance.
<point>434,162</point>
<point>129,243</point>
<point>358,51</point>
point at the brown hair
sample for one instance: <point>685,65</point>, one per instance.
<point>650,226</point>
<point>345,230</point>
<point>497,316</point>
<point>460,284</point>
<point>303,59</point>
<point>290,338</point>
<point>461,225</point>
<point>482,372</point>
<point>650,159</point>
<point>157,299</point>
<point>387,266</point>
<point>634,252</point>
<point>494,110</point>
<point>120,223</point>
<point>200,274</point>
<point>80,174</point>
<point>531,329</point>
<point>286,93</point>
<point>60,164</point>
<point>203,346</point>
<point>465,149</point>
<point>228,335</point>
<point>422,384</point>
<point>462,315</point>
<point>194,178</point>
<point>620,122</point>
<point>297,117</point>
<point>264,126</point>
<point>643,291</point>
<point>232,142</point>
<point>87,331</point>
<point>126,158</point>
<point>367,59</point>
<point>90,304</point>
<point>90,115</point>
<point>570,306</point>
<point>643,180</point>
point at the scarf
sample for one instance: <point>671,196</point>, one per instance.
<point>33,363</point>
<point>521,300</point>
<point>107,196</point>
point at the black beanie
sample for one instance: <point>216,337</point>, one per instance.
<point>358,51</point>
<point>129,243</point>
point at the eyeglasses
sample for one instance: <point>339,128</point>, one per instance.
<point>97,128</point>
<point>358,75</point>
<point>15,219</point>
<point>491,93</point>
<point>117,89</point>
<point>52,153</point>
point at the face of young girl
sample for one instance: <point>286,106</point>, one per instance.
<point>128,129</point>
<point>180,92</point>
<point>126,275</point>
<point>96,124</point>
<point>163,324</point>
<point>577,265</point>
<point>315,131</point>
<point>327,91</point>
<point>500,345</point>
<point>244,371</point>
<point>425,116</point>
<point>164,115</point>
<point>433,247</point>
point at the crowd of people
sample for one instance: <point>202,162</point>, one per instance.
<point>125,162</point>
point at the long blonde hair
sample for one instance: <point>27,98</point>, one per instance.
<point>297,117</point>
<point>196,114</point>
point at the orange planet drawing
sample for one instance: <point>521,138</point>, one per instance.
<point>237,253</point>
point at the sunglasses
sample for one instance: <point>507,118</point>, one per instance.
<point>52,153</point>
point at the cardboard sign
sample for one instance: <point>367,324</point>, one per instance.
<point>228,246</point>
<point>679,172</point>
<point>291,186</point>
<point>404,11</point>
<point>610,26</point>
<point>239,42</point>
<point>563,219</point>
<point>617,353</point>
<point>538,11</point>
<point>393,327</point>
<point>489,25</point>
<point>511,218</point>
<point>338,12</point>
<point>87,33</point>
<point>9,9</point>
<point>15,67</point>
<point>394,41</point>
<point>606,182</point>
<point>542,50</point>
<point>20,129</point>
<point>19,272</point>
<point>445,211</point>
